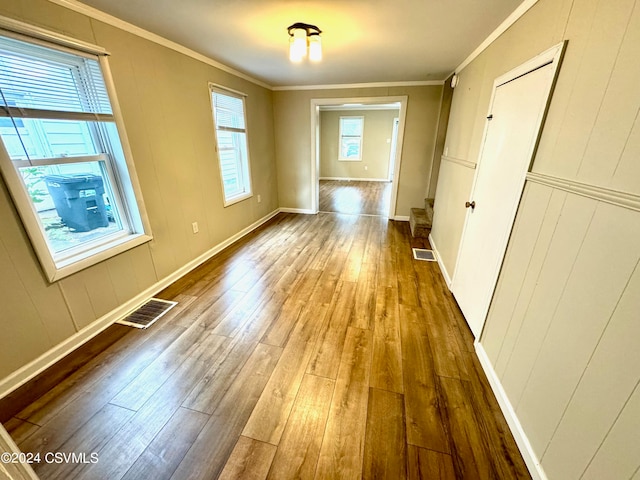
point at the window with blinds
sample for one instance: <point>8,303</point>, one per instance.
<point>63,155</point>
<point>231,138</point>
<point>350,141</point>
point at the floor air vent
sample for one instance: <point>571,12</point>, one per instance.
<point>424,254</point>
<point>147,314</point>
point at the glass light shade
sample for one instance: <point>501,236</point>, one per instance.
<point>315,48</point>
<point>298,45</point>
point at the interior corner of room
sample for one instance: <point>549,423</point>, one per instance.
<point>553,314</point>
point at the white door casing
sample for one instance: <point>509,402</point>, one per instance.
<point>516,112</point>
<point>394,145</point>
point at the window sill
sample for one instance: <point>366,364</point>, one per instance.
<point>64,268</point>
<point>230,201</point>
<point>349,159</point>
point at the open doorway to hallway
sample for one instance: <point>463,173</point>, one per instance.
<point>357,154</point>
<point>357,157</point>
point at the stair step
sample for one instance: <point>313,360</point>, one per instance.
<point>428,203</point>
<point>419,222</point>
<point>428,206</point>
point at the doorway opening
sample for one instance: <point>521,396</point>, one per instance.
<point>356,154</point>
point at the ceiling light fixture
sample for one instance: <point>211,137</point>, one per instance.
<point>303,36</point>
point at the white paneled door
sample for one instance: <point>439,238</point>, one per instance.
<point>514,121</point>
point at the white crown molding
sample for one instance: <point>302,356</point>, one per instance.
<point>510,20</point>
<point>460,161</point>
<point>602,194</point>
<point>12,25</point>
<point>360,85</point>
<point>141,32</point>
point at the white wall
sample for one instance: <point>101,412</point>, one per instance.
<point>562,331</point>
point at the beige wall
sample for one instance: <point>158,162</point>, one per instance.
<point>563,326</point>
<point>441,136</point>
<point>376,144</point>
<point>292,112</point>
<point>165,104</point>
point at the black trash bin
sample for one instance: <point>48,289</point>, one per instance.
<point>79,200</point>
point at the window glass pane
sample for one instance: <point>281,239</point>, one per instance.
<point>232,145</point>
<point>350,148</point>
<point>73,202</point>
<point>233,153</point>
<point>45,138</point>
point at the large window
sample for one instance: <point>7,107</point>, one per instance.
<point>350,141</point>
<point>231,137</point>
<point>62,155</point>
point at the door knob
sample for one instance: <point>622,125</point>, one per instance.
<point>470,204</point>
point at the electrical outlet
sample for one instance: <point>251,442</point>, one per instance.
<point>259,198</point>
<point>366,167</point>
<point>195,228</point>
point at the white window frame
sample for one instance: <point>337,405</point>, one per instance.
<point>120,171</point>
<point>341,157</point>
<point>247,181</point>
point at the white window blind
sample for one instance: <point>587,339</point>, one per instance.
<point>52,81</point>
<point>231,137</point>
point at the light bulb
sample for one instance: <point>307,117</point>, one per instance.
<point>297,45</point>
<point>315,48</point>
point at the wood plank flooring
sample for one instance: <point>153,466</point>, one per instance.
<point>356,198</point>
<point>315,347</point>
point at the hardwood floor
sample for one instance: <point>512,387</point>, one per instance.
<point>315,347</point>
<point>356,198</point>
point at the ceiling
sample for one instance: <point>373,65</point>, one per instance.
<point>363,41</point>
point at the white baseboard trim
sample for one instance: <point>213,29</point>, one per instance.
<point>529,456</point>
<point>349,179</point>
<point>305,211</point>
<point>443,269</point>
<point>401,218</point>
<point>44,361</point>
